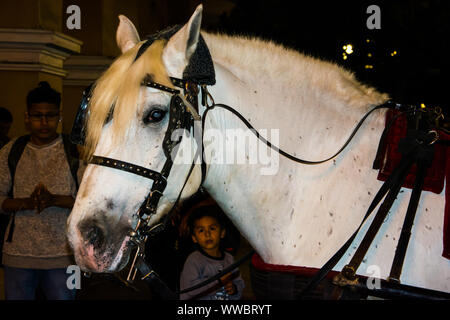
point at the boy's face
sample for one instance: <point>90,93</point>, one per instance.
<point>42,120</point>
<point>207,233</point>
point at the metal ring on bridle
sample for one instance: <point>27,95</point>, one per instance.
<point>436,137</point>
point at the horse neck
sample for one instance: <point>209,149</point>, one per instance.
<point>249,193</point>
<point>290,98</point>
<point>274,87</point>
<point>312,121</point>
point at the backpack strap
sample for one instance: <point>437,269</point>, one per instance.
<point>13,158</point>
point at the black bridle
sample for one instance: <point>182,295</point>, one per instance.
<point>181,116</point>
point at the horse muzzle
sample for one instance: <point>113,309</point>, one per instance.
<point>97,249</point>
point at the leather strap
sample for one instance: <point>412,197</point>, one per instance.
<point>400,251</point>
<point>153,279</point>
<point>386,105</point>
<point>326,268</point>
<point>349,271</point>
<point>155,282</point>
<point>415,148</point>
<point>419,120</point>
<point>425,155</point>
<point>377,163</point>
<point>220,274</point>
<point>126,166</point>
<point>148,82</point>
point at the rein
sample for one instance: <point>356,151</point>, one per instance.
<point>386,105</point>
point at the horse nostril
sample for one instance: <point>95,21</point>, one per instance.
<point>95,236</point>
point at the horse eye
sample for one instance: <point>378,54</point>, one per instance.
<point>154,116</point>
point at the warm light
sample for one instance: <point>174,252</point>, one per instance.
<point>344,56</point>
<point>369,55</point>
<point>367,40</point>
<point>393,53</point>
<point>348,48</point>
<point>422,105</point>
<point>368,66</point>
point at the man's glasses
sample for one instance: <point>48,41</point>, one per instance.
<point>36,117</point>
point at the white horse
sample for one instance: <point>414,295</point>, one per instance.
<point>291,214</point>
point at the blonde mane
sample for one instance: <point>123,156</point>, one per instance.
<point>118,89</point>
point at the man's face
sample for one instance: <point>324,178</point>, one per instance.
<point>43,119</point>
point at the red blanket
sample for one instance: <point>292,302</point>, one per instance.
<point>259,264</point>
<point>446,251</point>
<point>388,158</point>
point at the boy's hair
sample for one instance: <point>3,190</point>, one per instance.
<point>43,93</point>
<point>5,115</point>
<point>204,211</point>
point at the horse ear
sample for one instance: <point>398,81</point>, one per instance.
<point>126,36</point>
<point>185,40</point>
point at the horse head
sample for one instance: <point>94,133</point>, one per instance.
<point>127,122</point>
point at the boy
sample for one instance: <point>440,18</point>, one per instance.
<point>207,230</point>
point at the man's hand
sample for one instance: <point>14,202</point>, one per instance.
<point>39,199</point>
<point>47,199</point>
<point>42,197</point>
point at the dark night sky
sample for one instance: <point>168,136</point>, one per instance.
<point>414,29</point>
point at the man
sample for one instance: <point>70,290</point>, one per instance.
<point>36,251</point>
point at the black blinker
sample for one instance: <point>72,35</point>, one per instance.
<point>78,133</point>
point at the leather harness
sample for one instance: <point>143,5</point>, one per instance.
<point>416,148</point>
